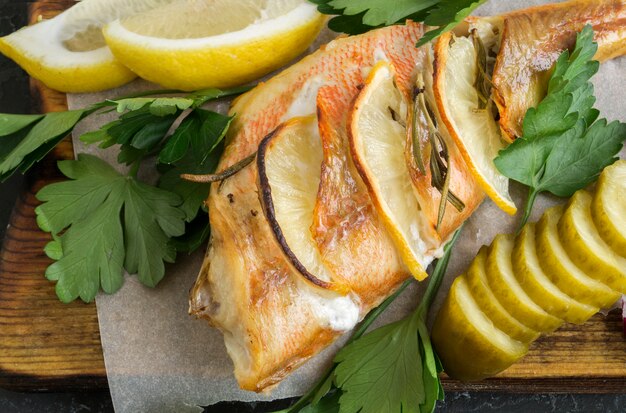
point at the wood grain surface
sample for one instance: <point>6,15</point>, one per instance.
<point>46,345</point>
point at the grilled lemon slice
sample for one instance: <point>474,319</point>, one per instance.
<point>467,342</point>
<point>289,164</point>
<point>377,141</point>
<point>608,206</point>
<point>474,130</point>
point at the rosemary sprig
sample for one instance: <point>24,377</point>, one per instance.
<point>439,154</point>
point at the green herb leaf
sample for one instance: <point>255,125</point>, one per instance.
<point>156,106</point>
<point>9,124</point>
<point>360,16</point>
<point>564,147</point>
<point>103,222</point>
<point>381,12</point>
<point>382,371</point>
<point>447,15</point>
<point>328,404</point>
<point>23,145</point>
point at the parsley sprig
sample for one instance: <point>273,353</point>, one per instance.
<point>360,16</point>
<point>103,222</point>
<point>564,146</point>
<point>391,369</point>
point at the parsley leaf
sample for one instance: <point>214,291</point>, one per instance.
<point>360,16</point>
<point>103,222</point>
<point>26,139</point>
<point>447,15</point>
<point>564,147</point>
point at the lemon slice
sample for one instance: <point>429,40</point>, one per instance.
<point>510,293</point>
<point>68,52</point>
<point>377,142</point>
<point>557,265</point>
<point>489,304</point>
<point>585,247</point>
<point>475,131</point>
<point>469,345</point>
<point>609,207</point>
<point>539,287</point>
<point>190,45</point>
<point>289,164</point>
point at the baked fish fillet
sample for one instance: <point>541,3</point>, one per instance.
<point>271,318</point>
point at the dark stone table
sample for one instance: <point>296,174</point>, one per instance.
<point>14,98</point>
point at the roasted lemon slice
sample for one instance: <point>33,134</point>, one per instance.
<point>510,293</point>
<point>377,134</point>
<point>539,287</point>
<point>289,163</point>
<point>474,130</point>
<point>558,266</point>
<point>190,45</point>
<point>585,247</point>
<point>609,207</point>
<point>489,304</point>
<point>68,52</point>
<point>467,342</point>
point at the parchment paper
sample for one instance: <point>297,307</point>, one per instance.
<point>159,359</point>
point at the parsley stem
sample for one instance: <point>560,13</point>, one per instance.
<point>532,196</point>
<point>438,274</point>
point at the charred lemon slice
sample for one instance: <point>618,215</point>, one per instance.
<point>510,293</point>
<point>469,345</point>
<point>489,304</point>
<point>609,207</point>
<point>585,246</point>
<point>289,164</point>
<point>539,287</point>
<point>377,132</point>
<point>473,128</point>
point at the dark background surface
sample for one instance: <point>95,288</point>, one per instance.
<point>14,98</point>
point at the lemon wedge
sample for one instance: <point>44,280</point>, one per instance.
<point>469,345</point>
<point>561,270</point>
<point>474,130</point>
<point>609,206</point>
<point>289,164</point>
<point>489,304</point>
<point>68,52</point>
<point>190,45</point>
<point>377,135</point>
<point>585,247</point>
<point>539,287</point>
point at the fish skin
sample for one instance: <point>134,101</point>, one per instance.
<point>532,41</point>
<point>246,287</point>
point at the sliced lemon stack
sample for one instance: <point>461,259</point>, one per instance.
<point>377,139</point>
<point>560,269</point>
<point>190,45</point>
<point>68,52</point>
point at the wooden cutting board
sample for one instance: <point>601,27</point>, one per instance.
<point>47,345</point>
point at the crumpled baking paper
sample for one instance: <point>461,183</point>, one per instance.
<point>159,359</point>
